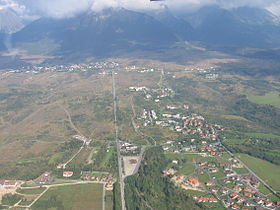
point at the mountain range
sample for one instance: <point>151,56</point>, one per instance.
<point>114,31</point>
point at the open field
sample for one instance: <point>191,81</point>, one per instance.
<point>109,200</point>
<point>271,98</point>
<point>32,191</point>
<point>269,172</point>
<point>262,135</point>
<point>34,124</point>
<point>74,197</point>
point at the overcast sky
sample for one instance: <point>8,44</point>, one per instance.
<point>64,8</point>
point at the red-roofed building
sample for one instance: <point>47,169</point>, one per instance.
<point>210,183</point>
<point>237,188</point>
<point>235,206</point>
<point>193,182</point>
<point>248,194</point>
<point>68,174</point>
<point>10,183</point>
<point>240,200</point>
<point>46,178</point>
<point>233,195</point>
<point>268,204</point>
<point>248,189</point>
<point>180,176</point>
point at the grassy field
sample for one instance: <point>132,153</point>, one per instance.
<point>269,172</point>
<point>109,200</point>
<point>262,135</point>
<point>73,197</point>
<point>37,190</point>
<point>187,169</point>
<point>271,98</point>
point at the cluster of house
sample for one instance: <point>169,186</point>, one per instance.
<point>9,183</point>
<point>206,167</point>
<point>148,117</point>
<point>83,139</point>
<point>205,199</point>
<point>107,178</point>
<point>45,178</point>
<point>193,124</point>
<point>244,192</point>
<point>153,94</point>
<point>8,187</point>
<point>82,67</point>
<point>140,69</point>
<point>234,190</point>
<point>182,180</point>
<point>138,88</point>
<point>129,149</point>
<point>246,196</point>
<point>194,145</point>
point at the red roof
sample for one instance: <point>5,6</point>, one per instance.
<point>10,182</point>
<point>235,206</point>
<point>67,173</point>
<point>179,176</point>
<point>233,194</point>
<point>193,181</point>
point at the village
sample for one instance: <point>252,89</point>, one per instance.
<point>203,167</point>
<point>100,67</point>
<point>198,161</point>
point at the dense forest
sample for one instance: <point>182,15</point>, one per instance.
<point>148,189</point>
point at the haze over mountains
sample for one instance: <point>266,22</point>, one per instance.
<point>115,31</point>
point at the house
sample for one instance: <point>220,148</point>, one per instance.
<point>235,206</point>
<point>210,183</point>
<point>193,182</point>
<point>168,172</point>
<point>233,195</point>
<point>248,194</point>
<point>68,173</point>
<point>86,175</point>
<point>109,186</point>
<point>180,177</point>
<point>213,170</point>
<point>203,199</point>
<point>248,189</point>
<point>46,178</point>
<point>237,188</point>
<point>60,166</point>
<point>8,183</point>
<point>175,161</point>
<point>268,204</point>
<point>240,200</point>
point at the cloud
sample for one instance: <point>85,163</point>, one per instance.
<point>4,4</point>
<point>68,8</point>
<point>275,8</point>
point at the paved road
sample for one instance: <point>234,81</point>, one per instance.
<point>103,197</point>
<point>118,144</point>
